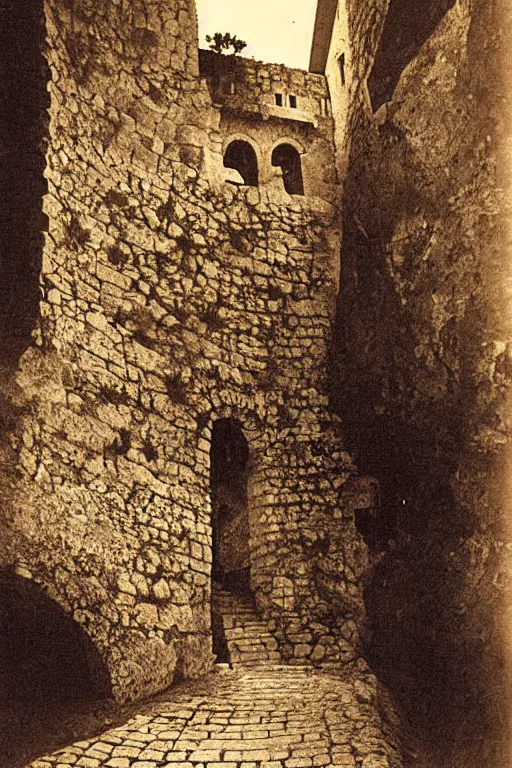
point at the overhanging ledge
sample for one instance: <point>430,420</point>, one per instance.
<point>322,34</point>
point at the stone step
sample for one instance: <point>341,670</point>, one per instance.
<point>229,611</point>
<point>249,639</point>
<point>252,630</point>
<point>233,600</point>
<point>241,628</point>
<point>239,634</point>
<point>252,647</point>
<point>234,607</point>
<point>250,624</point>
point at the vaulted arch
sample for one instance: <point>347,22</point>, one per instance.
<point>50,670</point>
<point>46,656</point>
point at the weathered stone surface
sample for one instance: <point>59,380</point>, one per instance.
<point>422,378</point>
<point>280,716</point>
<point>171,299</point>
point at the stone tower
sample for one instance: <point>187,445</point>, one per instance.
<point>177,317</point>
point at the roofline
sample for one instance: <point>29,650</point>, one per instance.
<point>322,35</point>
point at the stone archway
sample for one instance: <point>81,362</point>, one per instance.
<point>49,667</point>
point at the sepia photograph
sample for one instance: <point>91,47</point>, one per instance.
<point>255,384</point>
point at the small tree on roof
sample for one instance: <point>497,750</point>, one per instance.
<point>223,42</point>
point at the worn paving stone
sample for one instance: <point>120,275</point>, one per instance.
<point>316,715</point>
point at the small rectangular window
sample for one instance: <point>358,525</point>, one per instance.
<point>279,99</point>
<point>293,102</point>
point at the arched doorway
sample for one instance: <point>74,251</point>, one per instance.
<point>229,459</point>
<point>50,670</point>
<point>288,159</point>
<point>229,469</point>
<point>241,156</point>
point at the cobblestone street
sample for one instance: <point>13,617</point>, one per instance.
<point>277,717</point>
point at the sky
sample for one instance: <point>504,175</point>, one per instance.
<point>277,31</point>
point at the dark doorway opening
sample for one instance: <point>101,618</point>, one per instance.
<point>49,670</point>
<point>24,123</point>
<point>229,459</point>
<point>229,466</point>
<point>242,157</point>
<point>288,159</point>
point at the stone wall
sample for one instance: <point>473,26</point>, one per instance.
<point>338,73</point>
<point>248,86</point>
<point>170,300</point>
<point>245,91</point>
<point>422,369</point>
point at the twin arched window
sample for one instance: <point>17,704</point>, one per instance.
<point>240,156</point>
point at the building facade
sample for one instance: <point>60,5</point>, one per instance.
<point>172,386</point>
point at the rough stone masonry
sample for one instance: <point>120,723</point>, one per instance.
<point>175,292</point>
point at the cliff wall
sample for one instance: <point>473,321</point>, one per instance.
<point>422,359</point>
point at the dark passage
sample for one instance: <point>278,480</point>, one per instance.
<point>229,456</point>
<point>23,131</point>
<point>49,669</point>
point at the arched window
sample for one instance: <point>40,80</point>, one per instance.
<point>242,157</point>
<point>288,159</point>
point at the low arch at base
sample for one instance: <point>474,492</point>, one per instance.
<point>46,658</point>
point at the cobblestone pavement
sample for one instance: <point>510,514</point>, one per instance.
<point>277,717</point>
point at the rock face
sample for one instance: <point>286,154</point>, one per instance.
<point>422,359</point>
<point>171,299</point>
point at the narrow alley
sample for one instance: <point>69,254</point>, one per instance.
<point>274,716</point>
